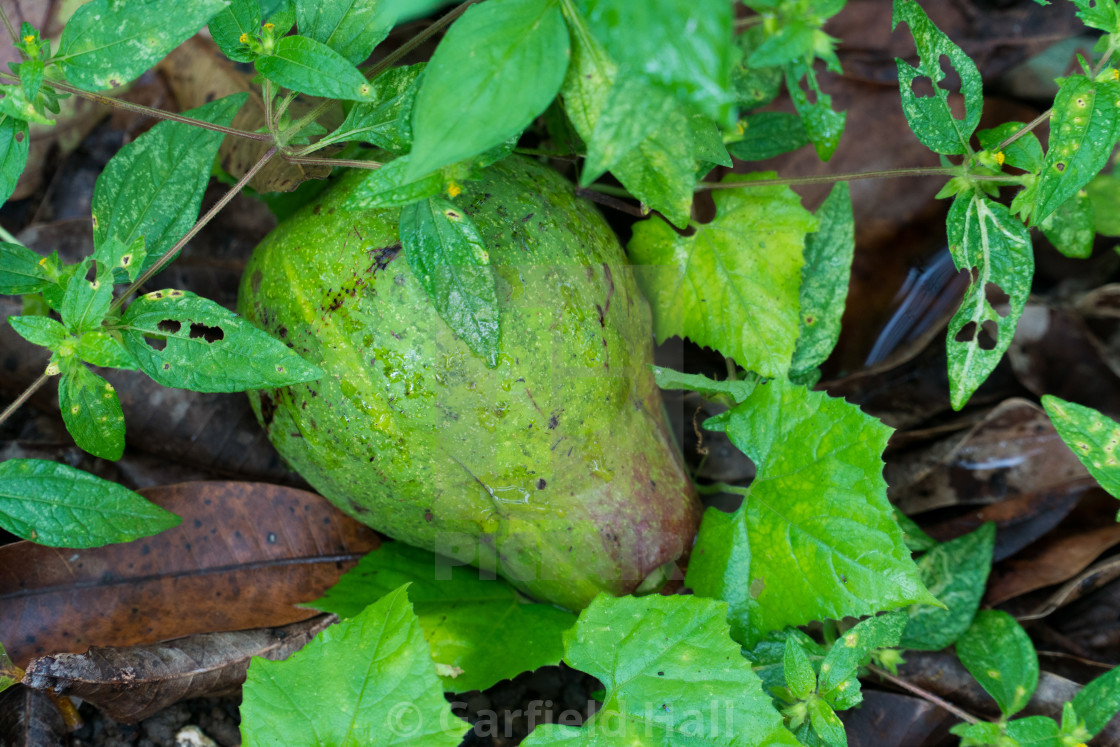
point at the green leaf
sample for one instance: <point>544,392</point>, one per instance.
<point>634,113</point>
<point>85,302</point>
<point>999,654</point>
<point>107,43</point>
<point>1070,228</point>
<point>823,124</point>
<point>733,284</point>
<point>1099,701</point>
<point>388,186</point>
<point>385,121</point>
<point>736,391</point>
<point>981,734</point>
<point>40,330</point>
<point>206,347</point>
<point>839,685</point>
<point>1024,153</point>
<point>21,270</point>
<point>101,348</point>
<point>1034,731</point>
<point>1104,193</point>
<point>827,724</point>
<point>498,67</point>
<point>916,540</point>
<point>824,280</point>
<point>311,67</point>
<point>482,630</point>
<point>10,674</point>
<point>769,134</point>
<point>449,257</point>
<point>92,412</point>
<point>1093,437</point>
<point>995,248</point>
<point>753,86</point>
<point>152,188</point>
<point>350,27</point>
<point>241,19</point>
<point>15,140</point>
<point>366,681</point>
<point>930,117</point>
<point>126,261</point>
<point>955,572</point>
<point>801,679</point>
<point>790,41</point>
<point>672,675</point>
<point>56,505</point>
<point>1082,134</point>
<point>1099,14</point>
<point>685,46</point>
<point>815,538</point>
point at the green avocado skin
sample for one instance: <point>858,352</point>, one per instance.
<point>555,469</point>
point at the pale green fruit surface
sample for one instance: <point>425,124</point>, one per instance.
<point>555,469</point>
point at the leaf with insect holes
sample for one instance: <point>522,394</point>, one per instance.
<point>822,123</point>
<point>995,248</point>
<point>497,69</point>
<point>241,20</point>
<point>107,43</point>
<point>15,142</point>
<point>40,330</point>
<point>91,411</point>
<point>56,505</point>
<point>449,257</point>
<point>185,341</point>
<point>21,270</point>
<point>1099,701</point>
<point>930,117</point>
<point>388,187</point>
<point>385,120</point>
<point>125,261</point>
<point>1099,14</point>
<point>672,677</point>
<point>152,188</point>
<point>1093,437</point>
<point>350,27</point>
<point>733,284</point>
<point>815,538</point>
<point>999,654</point>
<point>85,302</point>
<point>373,683</point>
<point>311,67</point>
<point>1082,135</point>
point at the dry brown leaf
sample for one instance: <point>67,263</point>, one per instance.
<point>29,718</point>
<point>244,554</point>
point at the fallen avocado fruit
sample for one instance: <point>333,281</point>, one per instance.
<point>554,469</point>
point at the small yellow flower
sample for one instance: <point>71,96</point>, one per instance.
<point>28,39</point>
<point>1000,158</point>
<point>1115,74</point>
<point>454,190</point>
<point>244,39</point>
<point>269,26</point>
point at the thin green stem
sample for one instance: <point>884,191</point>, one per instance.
<point>8,25</point>
<point>266,92</point>
<point>7,236</point>
<point>924,694</point>
<point>26,395</point>
<point>354,164</point>
<point>831,178</point>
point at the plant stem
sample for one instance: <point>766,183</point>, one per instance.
<point>924,694</point>
<point>217,208</point>
<point>146,110</point>
<point>26,395</point>
<point>830,178</point>
<point>7,236</point>
<point>332,162</point>
<point>8,25</point>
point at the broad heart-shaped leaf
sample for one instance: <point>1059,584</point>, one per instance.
<point>15,141</point>
<point>366,681</point>
<point>91,410</point>
<point>985,239</point>
<point>955,572</point>
<point>930,117</point>
<point>480,631</point>
<point>107,43</point>
<point>1082,135</point>
<point>152,188</point>
<point>56,505</point>
<point>824,280</point>
<point>498,67</point>
<point>673,677</point>
<point>684,45</point>
<point>733,285</point>
<point>999,654</point>
<point>1093,437</point>
<point>449,257</point>
<point>815,538</point>
<point>350,27</point>
<point>241,20</point>
<point>1099,701</point>
<point>311,67</point>
<point>385,120</point>
<point>188,342</point>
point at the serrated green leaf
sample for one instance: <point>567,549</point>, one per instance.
<point>1099,14</point>
<point>152,188</point>
<point>311,67</point>
<point>1099,701</point>
<point>1070,228</point>
<point>827,724</point>
<point>374,684</point>
<point>986,240</point>
<point>101,348</point>
<point>206,347</point>
<point>672,675</point>
<point>999,654</point>
<point>930,117</point>
<point>955,572</point>
<point>449,258</point>
<point>482,629</point>
<point>801,678</point>
<point>388,187</point>
<point>15,140</point>
<point>824,280</point>
<point>822,123</point>
<point>21,270</point>
<point>350,27</point>
<point>839,685</point>
<point>91,411</point>
<point>1024,153</point>
<point>916,540</point>
<point>769,134</point>
<point>59,506</point>
<point>384,121</point>
<point>107,43</point>
<point>518,54</point>
<point>40,330</point>
<point>815,538</point>
<point>736,391</point>
<point>684,45</point>
<point>1093,437</point>
<point>242,19</point>
<point>1034,731</point>
<point>733,285</point>
<point>85,302</point>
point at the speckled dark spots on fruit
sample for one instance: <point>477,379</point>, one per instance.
<point>316,209</point>
<point>428,515</point>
